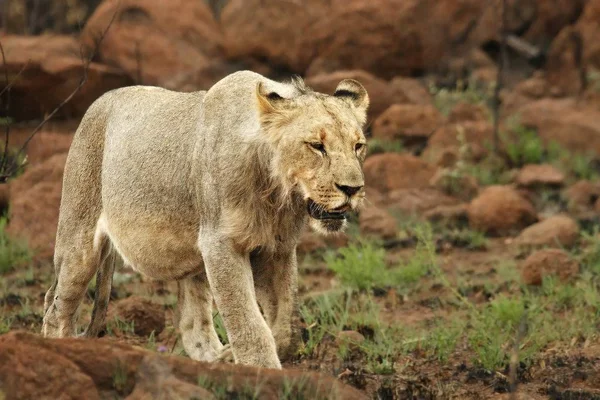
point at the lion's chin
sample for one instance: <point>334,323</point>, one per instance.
<point>327,226</point>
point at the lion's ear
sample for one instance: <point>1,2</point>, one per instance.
<point>268,101</point>
<point>356,95</point>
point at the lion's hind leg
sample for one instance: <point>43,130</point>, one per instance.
<point>195,320</point>
<point>76,260</point>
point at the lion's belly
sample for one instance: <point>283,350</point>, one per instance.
<point>157,249</point>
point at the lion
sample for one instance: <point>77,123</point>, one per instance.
<point>212,189</point>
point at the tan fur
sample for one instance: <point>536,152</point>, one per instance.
<point>210,189</point>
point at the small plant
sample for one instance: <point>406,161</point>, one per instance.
<point>377,146</point>
<point>523,145</point>
<point>361,266</point>
<point>118,325</point>
<point>120,379</point>
<point>12,252</point>
<point>467,238</point>
<point>5,324</point>
<point>442,340</point>
<point>466,92</point>
<point>220,328</point>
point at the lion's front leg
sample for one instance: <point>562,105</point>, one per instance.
<point>230,277</point>
<point>276,283</point>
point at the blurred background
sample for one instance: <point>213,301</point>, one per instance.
<point>480,237</point>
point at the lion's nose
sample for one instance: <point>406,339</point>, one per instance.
<point>349,190</point>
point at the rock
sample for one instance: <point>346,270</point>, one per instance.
<point>176,44</point>
<point>381,95</point>
<point>452,215</point>
<point>351,339</point>
<point>45,144</point>
<point>395,28</point>
<point>34,203</point>
<point>34,372</point>
<point>156,381</point>
<point>55,16</point>
<point>550,18</point>
<point>463,112</point>
<point>33,367</point>
<point>548,262</point>
<point>273,30</point>
<point>588,28</point>
<point>54,70</point>
<point>146,317</point>
<point>411,124</point>
<point>389,171</point>
<point>582,196</point>
<point>412,90</point>
<point>377,222</point>
<point>500,210</point>
<point>556,231</point>
<point>564,121</point>
<point>478,135</point>
<point>418,201</point>
<point>539,175</point>
<point>563,64</point>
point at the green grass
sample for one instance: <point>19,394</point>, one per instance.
<point>466,92</point>
<point>5,324</point>
<point>220,328</point>
<point>119,325</point>
<point>361,266</point>
<point>13,252</point>
<point>522,145</point>
<point>465,237</point>
<point>377,146</point>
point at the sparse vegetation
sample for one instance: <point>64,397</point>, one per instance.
<point>12,252</point>
<point>445,99</point>
<point>377,146</point>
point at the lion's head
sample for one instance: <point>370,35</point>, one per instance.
<point>319,147</point>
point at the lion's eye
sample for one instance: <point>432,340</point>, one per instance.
<point>318,146</point>
<point>358,147</point>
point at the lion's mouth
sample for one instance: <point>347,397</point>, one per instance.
<point>317,211</point>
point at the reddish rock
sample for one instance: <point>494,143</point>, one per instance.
<point>155,380</point>
<point>394,28</point>
<point>378,222</point>
<point>411,124</point>
<point>589,29</point>
<point>34,203</point>
<point>54,70</point>
<point>452,215</point>
<point>563,69</point>
<point>535,175</point>
<point>478,135</point>
<point>500,210</point>
<point>273,30</point>
<point>35,372</point>
<point>548,262</point>
<point>33,367</point>
<point>582,196</point>
<point>389,171</point>
<point>572,125</point>
<point>176,44</point>
<point>463,112</point>
<point>146,317</point>
<point>418,201</point>
<point>556,231</point>
<point>412,90</point>
<point>381,95</point>
<point>45,144</point>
